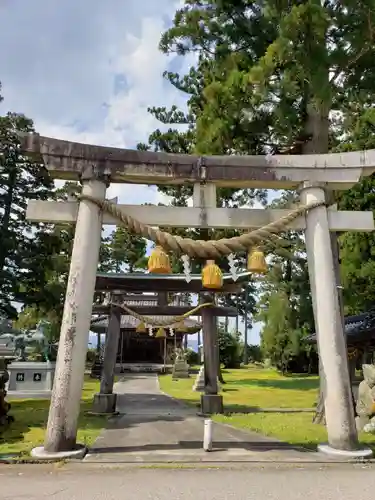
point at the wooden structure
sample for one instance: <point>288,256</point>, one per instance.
<point>138,347</point>
<point>360,339</point>
<point>96,166</point>
<point>141,347</point>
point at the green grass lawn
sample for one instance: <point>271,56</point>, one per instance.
<point>27,431</point>
<point>249,390</point>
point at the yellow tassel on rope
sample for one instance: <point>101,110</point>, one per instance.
<point>158,262</point>
<point>212,277</point>
<point>160,333</point>
<point>256,262</point>
<point>141,328</point>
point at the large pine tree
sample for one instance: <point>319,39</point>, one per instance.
<point>21,179</point>
<point>271,77</point>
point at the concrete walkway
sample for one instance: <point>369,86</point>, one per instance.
<point>268,482</point>
<point>153,428</point>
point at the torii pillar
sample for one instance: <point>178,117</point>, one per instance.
<point>105,400</point>
<point>211,401</point>
<point>339,412</point>
<point>61,433</point>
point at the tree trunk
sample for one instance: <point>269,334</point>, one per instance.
<point>6,218</point>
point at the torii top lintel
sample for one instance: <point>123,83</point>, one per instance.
<point>72,161</point>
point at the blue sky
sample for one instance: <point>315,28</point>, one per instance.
<point>87,70</point>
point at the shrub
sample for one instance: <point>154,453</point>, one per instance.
<point>229,349</point>
<point>90,356</point>
<point>192,357</point>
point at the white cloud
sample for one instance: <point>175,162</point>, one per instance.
<point>87,71</point>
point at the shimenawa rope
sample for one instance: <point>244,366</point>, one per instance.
<point>200,248</point>
<point>162,324</point>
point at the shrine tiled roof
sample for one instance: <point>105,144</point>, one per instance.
<point>128,322</point>
<point>355,325</point>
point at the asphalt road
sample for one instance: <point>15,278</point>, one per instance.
<point>343,482</point>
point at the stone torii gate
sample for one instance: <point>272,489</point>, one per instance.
<point>97,166</point>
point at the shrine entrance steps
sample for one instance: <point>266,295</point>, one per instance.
<point>154,428</point>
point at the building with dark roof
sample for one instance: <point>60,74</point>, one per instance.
<point>360,338</point>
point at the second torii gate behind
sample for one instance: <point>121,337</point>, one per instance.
<point>95,166</point>
<point>117,284</point>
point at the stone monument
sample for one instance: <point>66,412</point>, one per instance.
<point>199,381</point>
<point>32,377</point>
<point>180,367</point>
<point>365,419</point>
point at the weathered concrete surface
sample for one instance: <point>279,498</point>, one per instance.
<point>266,482</point>
<point>69,160</point>
<point>70,365</point>
<point>104,403</point>
<point>341,428</point>
<point>219,218</point>
<point>154,428</point>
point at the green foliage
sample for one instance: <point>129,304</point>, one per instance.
<point>254,353</point>
<point>125,248</point>
<point>284,77</point>
<point>192,357</point>
<point>269,74</point>
<point>44,285</point>
<point>28,318</point>
<point>357,250</point>
<point>91,356</point>
<point>21,179</point>
<point>50,264</point>
<point>285,306</point>
<point>229,348</point>
<point>280,341</point>
<point>7,326</point>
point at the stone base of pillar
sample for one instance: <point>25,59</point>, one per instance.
<point>41,454</point>
<point>334,452</point>
<point>104,404</point>
<point>211,403</point>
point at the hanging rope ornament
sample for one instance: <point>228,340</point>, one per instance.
<point>160,334</point>
<point>187,268</point>
<point>212,277</point>
<point>256,262</point>
<point>158,262</point>
<point>141,328</point>
<point>232,267</point>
